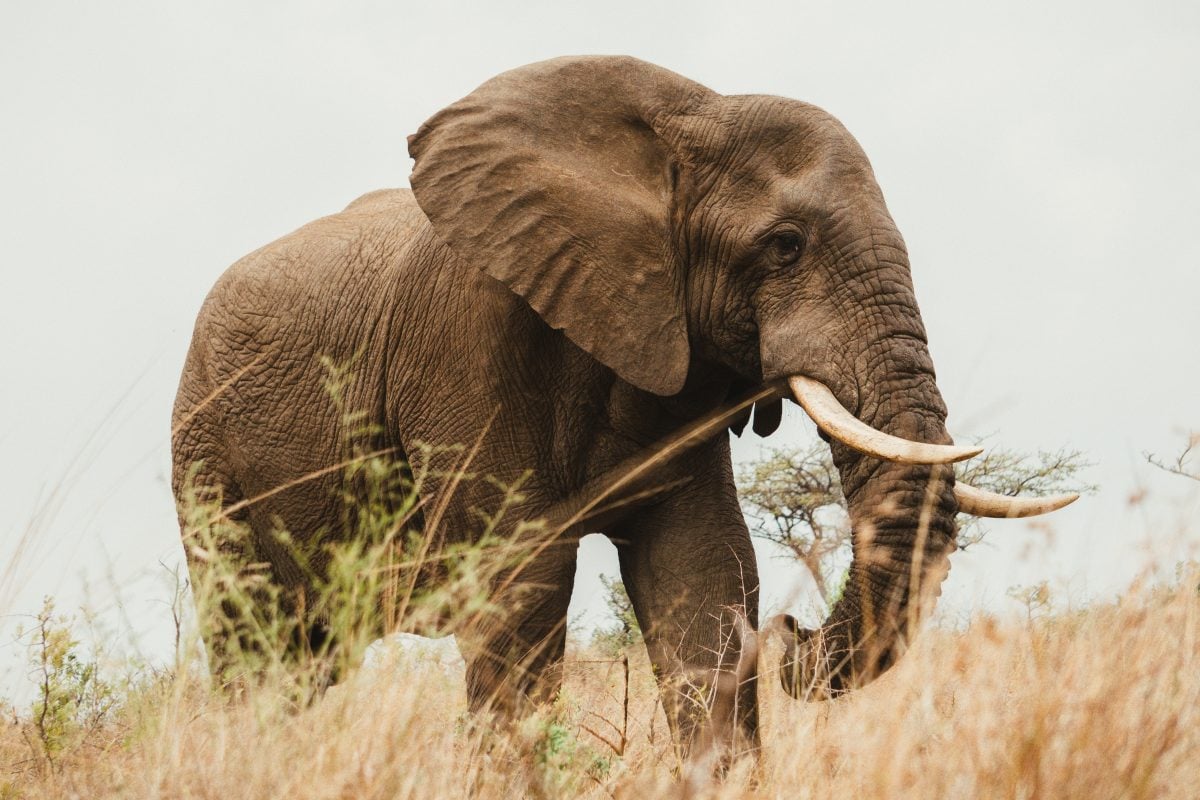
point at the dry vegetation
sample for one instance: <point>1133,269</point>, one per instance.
<point>1095,703</point>
<point>1098,703</point>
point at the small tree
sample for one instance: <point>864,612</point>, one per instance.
<point>625,632</point>
<point>1036,599</point>
<point>72,699</point>
<point>793,498</point>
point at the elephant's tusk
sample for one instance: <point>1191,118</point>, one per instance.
<point>983,503</point>
<point>837,422</point>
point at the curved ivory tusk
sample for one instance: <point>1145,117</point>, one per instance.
<point>983,503</point>
<point>835,420</point>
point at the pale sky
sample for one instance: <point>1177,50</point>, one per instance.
<point>1041,160</point>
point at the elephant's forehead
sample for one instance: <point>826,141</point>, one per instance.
<point>769,138</point>
<point>776,157</point>
<point>813,196</point>
<point>767,186</point>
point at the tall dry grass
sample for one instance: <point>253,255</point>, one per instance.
<point>1093,704</point>
<point>1097,703</point>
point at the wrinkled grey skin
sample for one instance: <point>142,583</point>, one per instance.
<point>595,252</point>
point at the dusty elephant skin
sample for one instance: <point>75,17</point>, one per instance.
<point>595,253</point>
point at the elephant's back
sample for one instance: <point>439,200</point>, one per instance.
<point>374,227</point>
<point>274,325</point>
<point>337,261</point>
<point>390,201</point>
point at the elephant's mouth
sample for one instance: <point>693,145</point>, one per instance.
<point>836,422</point>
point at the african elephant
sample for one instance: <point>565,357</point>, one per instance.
<point>598,260</point>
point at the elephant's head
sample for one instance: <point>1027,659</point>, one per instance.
<point>676,233</point>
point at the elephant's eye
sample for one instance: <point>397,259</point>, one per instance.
<point>786,247</point>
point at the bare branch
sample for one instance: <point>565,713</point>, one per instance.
<point>1181,465</point>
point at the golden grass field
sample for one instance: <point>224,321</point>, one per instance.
<point>1098,703</point>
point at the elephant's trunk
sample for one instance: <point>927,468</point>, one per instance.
<point>902,517</point>
<point>894,456</point>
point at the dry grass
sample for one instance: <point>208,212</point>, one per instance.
<point>1099,703</point>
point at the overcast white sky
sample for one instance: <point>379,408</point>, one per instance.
<point>1041,160</point>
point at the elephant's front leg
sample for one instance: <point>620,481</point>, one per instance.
<point>690,570</point>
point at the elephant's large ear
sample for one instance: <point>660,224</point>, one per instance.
<point>556,179</point>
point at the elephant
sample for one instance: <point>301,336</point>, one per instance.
<point>602,267</point>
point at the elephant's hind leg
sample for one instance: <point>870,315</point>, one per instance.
<point>217,543</point>
<point>514,660</point>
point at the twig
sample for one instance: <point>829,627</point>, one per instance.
<point>1180,467</point>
